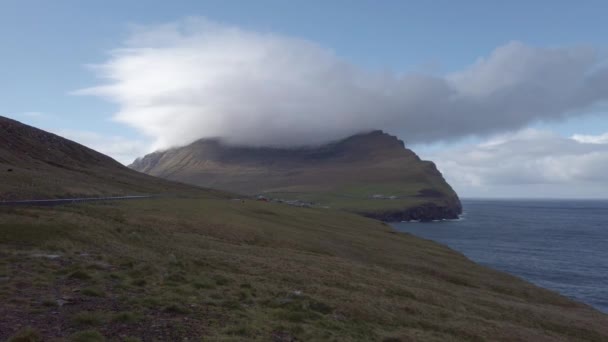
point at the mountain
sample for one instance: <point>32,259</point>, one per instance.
<point>197,265</point>
<point>371,174</point>
<point>36,164</point>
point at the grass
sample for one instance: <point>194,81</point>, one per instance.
<point>358,198</point>
<point>225,272</point>
<point>126,317</point>
<point>80,275</point>
<point>131,339</point>
<point>93,292</point>
<point>47,166</point>
<point>88,318</point>
<point>87,336</point>
<point>176,309</point>
<point>26,335</point>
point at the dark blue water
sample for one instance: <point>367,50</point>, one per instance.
<point>557,244</point>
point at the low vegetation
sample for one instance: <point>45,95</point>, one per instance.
<point>215,269</point>
<point>35,164</point>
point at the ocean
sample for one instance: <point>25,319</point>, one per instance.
<point>560,245</point>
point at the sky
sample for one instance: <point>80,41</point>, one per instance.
<point>509,99</point>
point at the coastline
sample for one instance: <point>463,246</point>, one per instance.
<point>522,242</point>
<point>424,213</point>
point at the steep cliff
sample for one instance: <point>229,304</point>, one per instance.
<point>372,174</point>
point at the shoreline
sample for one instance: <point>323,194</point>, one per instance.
<point>486,237</point>
<point>424,213</point>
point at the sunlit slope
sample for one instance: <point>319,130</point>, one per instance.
<point>35,164</point>
<point>370,173</point>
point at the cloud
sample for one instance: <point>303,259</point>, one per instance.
<point>122,149</point>
<point>183,81</point>
<point>530,163</point>
<point>591,139</point>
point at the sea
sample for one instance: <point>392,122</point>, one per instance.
<point>560,245</point>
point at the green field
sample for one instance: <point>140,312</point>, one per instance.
<point>210,268</point>
<point>357,198</point>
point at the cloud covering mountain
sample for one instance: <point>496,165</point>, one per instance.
<point>182,81</point>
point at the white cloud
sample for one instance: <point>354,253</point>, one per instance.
<point>529,163</point>
<point>591,139</point>
<point>182,81</point>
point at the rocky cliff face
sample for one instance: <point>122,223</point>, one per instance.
<point>424,212</point>
<point>372,174</point>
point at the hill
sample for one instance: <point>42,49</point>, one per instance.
<point>208,267</point>
<point>35,164</point>
<point>371,174</point>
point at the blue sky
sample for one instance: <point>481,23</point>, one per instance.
<point>47,45</point>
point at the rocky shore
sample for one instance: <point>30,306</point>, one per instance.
<point>425,213</point>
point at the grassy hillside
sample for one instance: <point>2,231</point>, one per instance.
<point>370,173</point>
<point>35,164</point>
<point>197,265</point>
<point>219,269</point>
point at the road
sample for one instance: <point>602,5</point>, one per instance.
<point>59,201</point>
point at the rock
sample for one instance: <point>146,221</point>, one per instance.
<point>282,336</point>
<point>425,213</point>
<point>338,316</point>
<point>62,302</point>
<point>47,256</point>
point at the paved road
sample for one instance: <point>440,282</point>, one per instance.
<point>59,201</point>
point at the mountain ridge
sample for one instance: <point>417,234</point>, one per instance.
<point>326,174</point>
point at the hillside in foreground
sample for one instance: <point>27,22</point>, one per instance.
<point>221,270</point>
<point>35,164</point>
<point>371,174</point>
<point>206,267</point>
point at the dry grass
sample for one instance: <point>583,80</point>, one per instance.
<point>227,270</point>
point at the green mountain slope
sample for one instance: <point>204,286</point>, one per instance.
<point>371,174</point>
<point>35,164</point>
